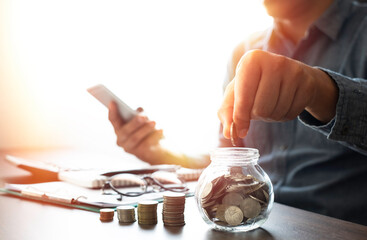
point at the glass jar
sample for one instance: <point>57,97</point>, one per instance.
<point>234,193</point>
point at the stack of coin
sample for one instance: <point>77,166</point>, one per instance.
<point>106,214</point>
<point>173,209</point>
<point>126,214</point>
<point>147,212</point>
<point>235,198</point>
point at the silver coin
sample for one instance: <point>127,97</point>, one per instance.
<point>221,211</point>
<point>250,208</point>
<point>233,216</point>
<point>232,198</point>
<point>234,135</point>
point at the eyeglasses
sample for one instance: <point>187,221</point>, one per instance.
<point>148,185</point>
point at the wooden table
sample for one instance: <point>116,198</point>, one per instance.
<point>25,219</point>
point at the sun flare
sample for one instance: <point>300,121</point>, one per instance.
<point>167,56</point>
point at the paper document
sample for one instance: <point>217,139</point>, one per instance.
<point>66,193</point>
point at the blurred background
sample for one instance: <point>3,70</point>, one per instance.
<point>166,56</point>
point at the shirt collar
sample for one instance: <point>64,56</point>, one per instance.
<point>333,18</point>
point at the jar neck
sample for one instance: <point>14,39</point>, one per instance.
<point>234,156</point>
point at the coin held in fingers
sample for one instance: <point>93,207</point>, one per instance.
<point>234,136</point>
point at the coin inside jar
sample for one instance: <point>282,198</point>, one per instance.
<point>233,199</point>
<point>221,209</point>
<point>207,191</point>
<point>234,194</point>
<point>250,208</point>
<point>233,215</point>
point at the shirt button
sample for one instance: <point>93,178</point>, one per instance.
<point>358,92</point>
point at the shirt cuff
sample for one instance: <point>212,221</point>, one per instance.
<point>307,119</point>
<point>350,121</point>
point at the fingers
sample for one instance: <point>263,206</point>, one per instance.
<point>287,95</point>
<point>225,112</point>
<point>298,104</point>
<point>267,97</point>
<point>153,138</point>
<point>245,88</point>
<point>240,95</point>
<point>148,149</point>
<point>135,133</point>
<point>140,130</point>
<point>266,87</point>
<point>140,135</point>
<point>293,94</point>
<point>114,116</point>
<point>124,132</point>
<point>275,92</point>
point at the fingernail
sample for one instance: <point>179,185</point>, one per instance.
<point>226,133</point>
<point>242,133</point>
<point>226,136</point>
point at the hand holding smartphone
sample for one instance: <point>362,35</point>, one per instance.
<point>105,96</point>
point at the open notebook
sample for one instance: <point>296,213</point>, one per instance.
<point>92,171</point>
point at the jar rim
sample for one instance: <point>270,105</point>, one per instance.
<point>235,155</point>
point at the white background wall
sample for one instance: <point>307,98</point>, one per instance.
<point>164,55</point>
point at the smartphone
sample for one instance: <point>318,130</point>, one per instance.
<point>105,96</point>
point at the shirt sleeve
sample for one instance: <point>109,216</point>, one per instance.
<point>349,126</point>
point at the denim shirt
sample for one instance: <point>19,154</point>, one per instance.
<point>313,166</point>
